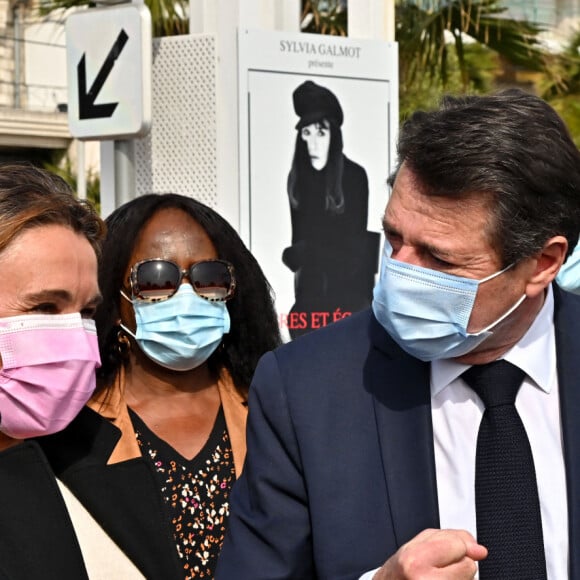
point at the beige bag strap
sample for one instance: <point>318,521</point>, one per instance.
<point>104,560</point>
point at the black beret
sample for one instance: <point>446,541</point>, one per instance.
<point>313,103</point>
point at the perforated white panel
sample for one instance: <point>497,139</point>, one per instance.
<point>180,153</point>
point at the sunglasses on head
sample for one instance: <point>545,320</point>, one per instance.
<point>157,279</point>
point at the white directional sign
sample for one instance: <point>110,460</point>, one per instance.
<point>109,72</point>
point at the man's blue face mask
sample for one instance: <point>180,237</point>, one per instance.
<point>426,312</point>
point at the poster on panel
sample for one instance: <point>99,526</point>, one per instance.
<point>318,118</point>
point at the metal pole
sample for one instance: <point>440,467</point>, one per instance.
<point>124,171</point>
<point>81,175</point>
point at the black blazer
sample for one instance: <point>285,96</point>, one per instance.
<point>37,538</point>
<point>122,497</point>
<point>341,470</point>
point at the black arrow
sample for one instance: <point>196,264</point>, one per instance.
<point>87,107</point>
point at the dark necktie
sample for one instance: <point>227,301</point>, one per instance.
<point>507,507</point>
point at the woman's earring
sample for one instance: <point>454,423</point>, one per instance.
<point>123,344</point>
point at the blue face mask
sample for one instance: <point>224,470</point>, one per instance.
<point>182,332</point>
<point>426,312</point>
<point>569,275</point>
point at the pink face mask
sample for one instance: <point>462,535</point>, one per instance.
<point>48,372</point>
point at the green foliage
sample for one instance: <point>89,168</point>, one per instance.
<point>459,46</point>
<point>568,107</point>
<point>427,32</point>
<point>64,169</point>
<point>560,86</point>
<point>563,72</point>
<point>168,17</point>
<point>425,92</point>
<point>324,17</point>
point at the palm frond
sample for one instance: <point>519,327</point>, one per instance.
<point>425,29</point>
<point>168,17</point>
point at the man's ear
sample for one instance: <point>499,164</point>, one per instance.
<point>548,262</point>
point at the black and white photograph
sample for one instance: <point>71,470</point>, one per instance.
<point>318,157</point>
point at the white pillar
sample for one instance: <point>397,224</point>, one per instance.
<point>371,19</point>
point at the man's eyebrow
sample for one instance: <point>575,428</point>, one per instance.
<point>440,252</point>
<point>389,228</point>
<point>436,251</point>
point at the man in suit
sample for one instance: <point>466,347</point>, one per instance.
<point>363,445</point>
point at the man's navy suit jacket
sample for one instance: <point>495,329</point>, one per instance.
<point>341,471</point>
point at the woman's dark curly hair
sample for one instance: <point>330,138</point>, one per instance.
<point>254,327</point>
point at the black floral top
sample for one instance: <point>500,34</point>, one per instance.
<point>196,493</point>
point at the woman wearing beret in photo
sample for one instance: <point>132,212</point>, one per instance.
<point>333,256</point>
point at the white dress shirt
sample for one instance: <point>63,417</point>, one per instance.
<point>457,411</point>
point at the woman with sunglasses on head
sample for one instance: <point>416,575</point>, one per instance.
<point>186,314</point>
